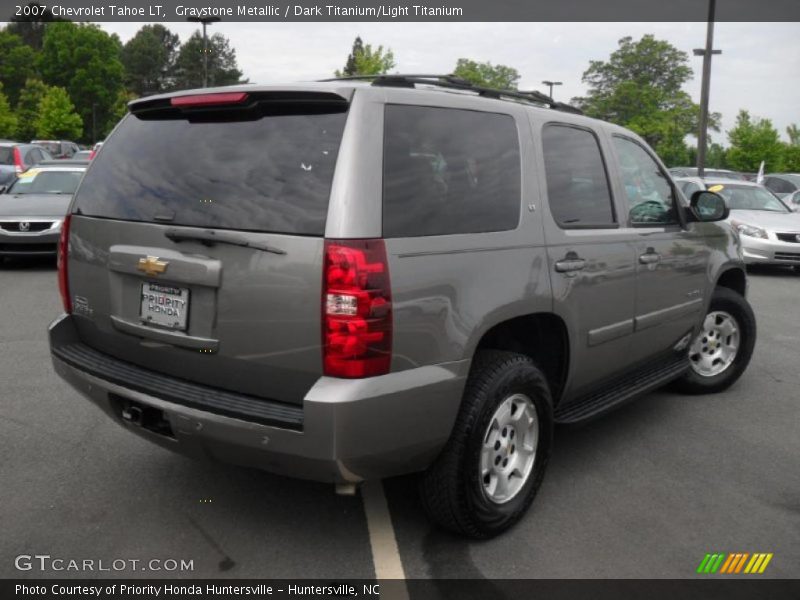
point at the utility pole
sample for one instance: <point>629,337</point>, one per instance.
<point>702,135</point>
<point>551,84</point>
<point>205,21</point>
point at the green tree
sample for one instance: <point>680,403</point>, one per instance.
<point>716,157</point>
<point>752,140</point>
<point>790,158</point>
<point>17,63</point>
<point>350,66</point>
<point>640,87</point>
<point>57,117</point>
<point>31,29</point>
<point>8,121</point>
<point>84,60</point>
<point>222,66</point>
<point>366,60</point>
<point>28,108</point>
<point>149,60</point>
<point>486,74</point>
<point>794,134</point>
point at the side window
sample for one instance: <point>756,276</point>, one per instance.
<point>577,183</point>
<point>647,189</point>
<point>448,171</point>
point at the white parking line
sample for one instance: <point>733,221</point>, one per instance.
<point>385,554</point>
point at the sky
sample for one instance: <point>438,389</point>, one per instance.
<point>758,69</point>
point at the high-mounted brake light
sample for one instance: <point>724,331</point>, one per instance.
<point>356,309</point>
<point>19,166</point>
<point>63,253</point>
<point>209,99</point>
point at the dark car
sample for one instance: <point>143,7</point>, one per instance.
<point>16,158</point>
<point>33,209</point>
<point>782,184</point>
<point>58,148</point>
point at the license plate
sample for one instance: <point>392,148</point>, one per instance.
<point>165,305</point>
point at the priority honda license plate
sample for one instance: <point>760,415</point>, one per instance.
<point>165,305</point>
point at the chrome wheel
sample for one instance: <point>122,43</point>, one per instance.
<point>509,448</point>
<point>715,348</point>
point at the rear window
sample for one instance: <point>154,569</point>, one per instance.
<point>53,148</point>
<point>269,174</point>
<point>47,182</point>
<point>449,171</point>
<point>6,156</point>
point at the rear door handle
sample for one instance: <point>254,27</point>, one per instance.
<point>570,264</point>
<point>650,257</point>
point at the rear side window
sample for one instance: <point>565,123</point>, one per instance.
<point>448,171</point>
<point>577,183</point>
<point>6,155</point>
<point>271,173</point>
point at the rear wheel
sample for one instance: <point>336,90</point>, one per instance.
<point>492,466</point>
<point>721,351</point>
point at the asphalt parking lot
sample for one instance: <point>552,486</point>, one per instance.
<point>645,492</point>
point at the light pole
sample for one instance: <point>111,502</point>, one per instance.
<point>205,21</point>
<point>706,53</point>
<point>551,84</point>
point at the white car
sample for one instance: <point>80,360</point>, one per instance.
<point>768,229</point>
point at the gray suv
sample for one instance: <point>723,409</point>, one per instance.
<point>347,280</point>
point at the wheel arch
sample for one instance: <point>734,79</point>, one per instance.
<point>733,278</point>
<point>542,336</point>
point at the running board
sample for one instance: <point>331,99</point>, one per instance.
<point>623,389</point>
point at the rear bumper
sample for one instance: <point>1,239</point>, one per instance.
<point>351,430</point>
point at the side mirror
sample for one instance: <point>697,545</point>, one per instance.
<point>707,207</point>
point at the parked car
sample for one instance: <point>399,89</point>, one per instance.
<point>95,149</point>
<point>345,280</point>
<point>16,158</point>
<point>782,184</point>
<point>793,201</point>
<point>83,155</point>
<point>33,208</point>
<point>692,172</point>
<point>769,230</point>
<point>58,148</point>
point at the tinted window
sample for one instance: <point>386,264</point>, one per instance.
<point>272,173</point>
<point>6,155</point>
<point>647,189</point>
<point>449,171</point>
<point>577,184</point>
<point>779,186</point>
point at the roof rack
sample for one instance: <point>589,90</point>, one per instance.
<point>456,83</point>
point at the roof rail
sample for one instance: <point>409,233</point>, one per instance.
<point>450,81</point>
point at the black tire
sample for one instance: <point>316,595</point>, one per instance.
<point>451,489</point>
<point>739,308</point>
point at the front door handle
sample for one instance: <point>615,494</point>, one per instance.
<point>570,264</point>
<point>650,257</point>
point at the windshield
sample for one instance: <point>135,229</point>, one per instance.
<point>47,182</point>
<point>749,198</point>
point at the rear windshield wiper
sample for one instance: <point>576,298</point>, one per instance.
<point>209,238</point>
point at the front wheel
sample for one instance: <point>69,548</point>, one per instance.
<point>721,351</point>
<point>494,462</point>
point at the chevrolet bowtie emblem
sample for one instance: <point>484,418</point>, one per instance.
<point>152,266</point>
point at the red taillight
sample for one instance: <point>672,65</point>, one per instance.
<point>209,99</point>
<point>91,154</point>
<point>19,167</point>
<point>356,309</point>
<point>63,253</point>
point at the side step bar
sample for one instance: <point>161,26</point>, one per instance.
<point>623,389</point>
